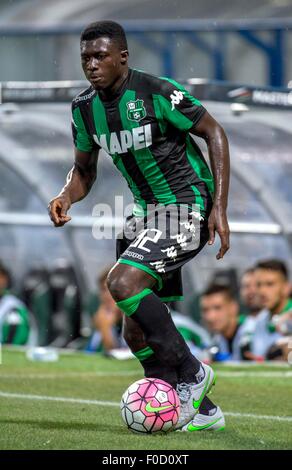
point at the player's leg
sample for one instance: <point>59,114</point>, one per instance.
<point>160,250</point>
<point>135,339</point>
<point>131,289</point>
<point>133,334</point>
<point>210,417</point>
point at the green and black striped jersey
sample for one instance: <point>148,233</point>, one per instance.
<point>145,128</point>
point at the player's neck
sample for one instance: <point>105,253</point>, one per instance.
<point>111,91</point>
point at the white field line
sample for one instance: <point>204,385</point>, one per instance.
<point>253,416</point>
<point>254,374</point>
<point>82,401</point>
<point>129,373</point>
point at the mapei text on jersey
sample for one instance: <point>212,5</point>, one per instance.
<point>119,142</point>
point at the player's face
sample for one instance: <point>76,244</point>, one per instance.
<point>249,292</point>
<point>217,311</point>
<point>103,62</point>
<point>273,288</point>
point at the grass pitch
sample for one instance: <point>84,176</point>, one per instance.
<point>74,404</point>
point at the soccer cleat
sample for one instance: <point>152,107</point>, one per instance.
<point>191,396</point>
<point>201,422</point>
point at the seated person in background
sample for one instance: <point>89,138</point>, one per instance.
<point>107,321</point>
<point>273,328</point>
<point>14,316</point>
<point>220,314</point>
<point>249,293</point>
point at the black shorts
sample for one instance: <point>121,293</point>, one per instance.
<point>161,244</point>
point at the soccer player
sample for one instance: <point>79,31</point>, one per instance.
<point>145,124</point>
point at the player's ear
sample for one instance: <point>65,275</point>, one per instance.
<point>124,57</point>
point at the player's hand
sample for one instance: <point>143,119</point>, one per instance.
<point>58,208</point>
<point>218,223</point>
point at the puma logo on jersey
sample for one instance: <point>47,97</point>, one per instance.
<point>176,98</point>
<point>120,142</point>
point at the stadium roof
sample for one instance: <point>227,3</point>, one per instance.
<point>19,12</point>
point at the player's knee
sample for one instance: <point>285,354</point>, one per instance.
<point>119,285</point>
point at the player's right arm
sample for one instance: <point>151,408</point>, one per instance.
<point>78,184</point>
<point>83,174</point>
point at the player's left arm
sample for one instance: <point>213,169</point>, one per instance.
<point>187,114</point>
<point>213,134</point>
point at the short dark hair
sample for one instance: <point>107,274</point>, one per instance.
<point>109,29</point>
<point>274,265</point>
<point>219,289</point>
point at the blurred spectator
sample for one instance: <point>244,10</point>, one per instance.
<point>249,293</point>
<point>274,322</point>
<point>273,286</point>
<point>107,321</point>
<point>222,277</point>
<point>14,316</point>
<point>230,330</point>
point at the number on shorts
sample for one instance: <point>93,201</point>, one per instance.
<point>142,239</point>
